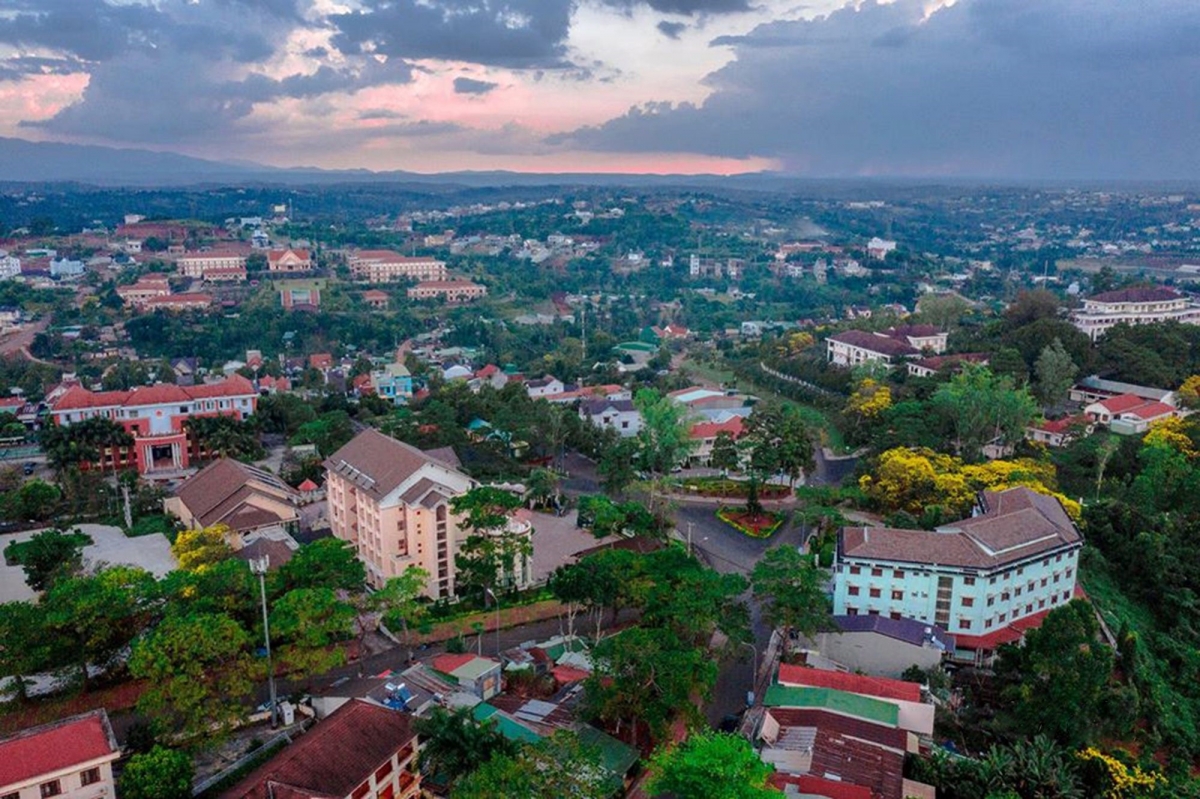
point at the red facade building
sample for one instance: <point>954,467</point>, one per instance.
<point>155,416</point>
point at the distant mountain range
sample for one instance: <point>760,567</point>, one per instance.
<point>23,161</point>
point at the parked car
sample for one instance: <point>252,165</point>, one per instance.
<point>29,467</point>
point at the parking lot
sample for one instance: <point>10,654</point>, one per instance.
<point>110,546</point>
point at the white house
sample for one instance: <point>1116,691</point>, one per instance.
<point>985,579</point>
<point>620,415</point>
<point>10,266</point>
<point>544,387</point>
<point>854,347</point>
<point>878,248</point>
<point>1129,414</point>
<point>1134,306</point>
<point>69,758</point>
<point>66,268</point>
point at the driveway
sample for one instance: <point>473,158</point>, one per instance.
<point>110,547</point>
<point>556,541</point>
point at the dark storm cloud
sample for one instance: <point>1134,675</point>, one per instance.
<point>1055,88</point>
<point>464,85</point>
<point>690,8</point>
<point>671,29</point>
<point>22,66</point>
<point>518,34</point>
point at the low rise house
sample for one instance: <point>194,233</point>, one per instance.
<point>238,495</point>
<point>213,266</point>
<point>147,287</point>
<point>1095,389</point>
<point>619,415</point>
<point>289,260</point>
<point>71,758</point>
<point>855,347</point>
<point>878,248</point>
<point>1059,432</point>
<point>474,674</point>
<point>393,382</point>
<point>376,299</point>
<point>928,367</point>
<point>705,435</point>
<point>178,302</point>
<point>545,387</point>
<point>361,750</point>
<point>1129,414</point>
<point>913,714</point>
<point>448,290</point>
<point>884,645</point>
<point>66,269</point>
<point>1014,561</point>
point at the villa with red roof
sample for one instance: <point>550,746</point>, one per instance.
<point>289,260</point>
<point>1129,414</point>
<point>70,758</point>
<point>705,434</point>
<point>155,416</point>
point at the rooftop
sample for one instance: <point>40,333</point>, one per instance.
<point>834,701</point>
<point>882,687</point>
<point>874,343</point>
<point>56,746</point>
<point>1015,524</point>
<point>1137,294</point>
<point>77,397</point>
<point>378,463</point>
<point>333,758</point>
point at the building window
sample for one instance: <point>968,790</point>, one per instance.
<point>1029,608</point>
<point>964,624</point>
<point>897,574</point>
<point>52,788</point>
<point>968,581</point>
<point>13,795</point>
<point>1005,596</point>
<point>1045,580</point>
<point>968,602</point>
<point>1057,577</point>
<point>895,614</point>
<point>1068,572</point>
<point>855,570</point>
<point>991,601</point>
<point>1041,604</point>
<point>1003,617</point>
<point>851,611</point>
<point>875,593</point>
<point>877,572</point>
<point>897,596</point>
<point>991,581</point>
<point>1017,592</point>
<point>872,612</point>
<point>1058,559</point>
<point>1021,570</point>
<point>852,590</point>
<point>90,777</point>
<point>987,623</point>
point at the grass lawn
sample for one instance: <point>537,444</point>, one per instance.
<point>814,416</point>
<point>755,525</point>
<point>14,553</point>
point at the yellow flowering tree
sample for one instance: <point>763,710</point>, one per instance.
<point>1109,778</point>
<point>910,480</point>
<point>1172,433</point>
<point>1189,392</point>
<point>198,549</point>
<point>869,399</point>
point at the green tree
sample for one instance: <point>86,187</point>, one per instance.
<point>618,465</point>
<point>603,580</point>
<point>725,455</point>
<point>310,624</point>
<point>491,555</point>
<point>554,768</point>
<point>983,407</point>
<point>199,549</point>
<point>51,555</point>
<point>454,745</point>
<point>82,442</point>
<point>710,765</point>
<point>645,677</point>
<point>324,563</point>
<point>225,436</point>
<point>198,669</point>
<point>36,500</point>
<point>399,603</point>
<point>663,438</point>
<point>24,649</point>
<point>160,773</point>
<point>791,589</point>
<point>90,619</point>
<point>1058,679</point>
<point>1055,374</point>
<point>328,432</point>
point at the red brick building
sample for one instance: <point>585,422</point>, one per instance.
<point>154,416</point>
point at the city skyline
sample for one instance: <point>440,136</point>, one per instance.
<point>977,88</point>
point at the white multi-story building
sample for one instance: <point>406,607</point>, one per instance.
<point>10,266</point>
<point>985,579</point>
<point>215,265</point>
<point>386,266</point>
<point>1134,306</point>
<point>617,414</point>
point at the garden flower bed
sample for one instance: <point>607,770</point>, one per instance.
<point>755,525</point>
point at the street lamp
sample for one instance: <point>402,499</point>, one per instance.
<point>753,673</point>
<point>495,599</point>
<point>259,567</point>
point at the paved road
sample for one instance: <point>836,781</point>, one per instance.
<point>832,471</point>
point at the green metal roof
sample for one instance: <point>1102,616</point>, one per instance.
<point>512,730</point>
<point>616,757</point>
<point>864,707</point>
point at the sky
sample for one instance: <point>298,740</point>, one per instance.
<point>1050,89</point>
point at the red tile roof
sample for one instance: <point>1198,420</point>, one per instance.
<point>734,426</point>
<point>1143,294</point>
<point>1152,410</point>
<point>874,343</point>
<point>56,746</point>
<point>333,758</point>
<point>819,786</point>
<point>1121,403</point>
<point>883,687</point>
<point>278,255</point>
<point>77,397</point>
<point>447,663</point>
<point>569,674</point>
<point>1010,634</point>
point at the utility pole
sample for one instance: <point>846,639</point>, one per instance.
<point>259,567</point>
<point>495,599</point>
<point>689,524</point>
